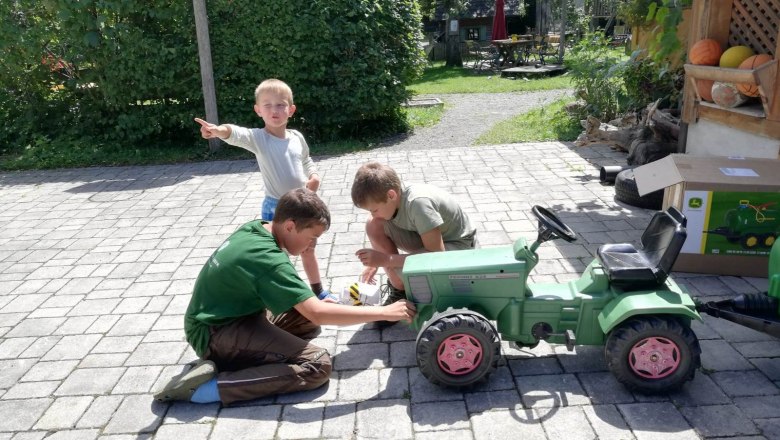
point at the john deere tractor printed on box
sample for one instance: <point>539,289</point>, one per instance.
<point>734,223</point>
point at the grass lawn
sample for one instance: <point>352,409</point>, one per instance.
<point>550,123</point>
<point>439,79</point>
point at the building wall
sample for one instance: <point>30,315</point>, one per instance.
<point>708,138</point>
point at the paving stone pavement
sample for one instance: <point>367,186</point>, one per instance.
<point>96,267</point>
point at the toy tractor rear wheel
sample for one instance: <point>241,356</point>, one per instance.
<point>767,240</point>
<point>457,348</point>
<point>652,354</point>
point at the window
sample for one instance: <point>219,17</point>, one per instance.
<point>472,34</point>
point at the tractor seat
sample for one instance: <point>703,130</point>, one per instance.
<point>651,263</point>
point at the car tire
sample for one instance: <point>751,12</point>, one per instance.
<point>626,191</point>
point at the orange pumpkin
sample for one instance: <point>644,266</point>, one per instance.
<point>704,87</point>
<point>705,52</point>
<point>752,63</point>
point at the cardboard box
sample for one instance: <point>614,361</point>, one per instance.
<point>732,206</point>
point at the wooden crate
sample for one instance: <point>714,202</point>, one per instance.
<point>752,23</point>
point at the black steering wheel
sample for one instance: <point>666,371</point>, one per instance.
<point>551,227</point>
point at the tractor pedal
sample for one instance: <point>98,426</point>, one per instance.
<point>571,340</point>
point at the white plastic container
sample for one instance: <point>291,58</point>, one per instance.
<point>361,294</point>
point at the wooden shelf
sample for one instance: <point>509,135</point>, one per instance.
<point>763,77</point>
<point>753,110</point>
<point>741,120</point>
<point>752,23</point>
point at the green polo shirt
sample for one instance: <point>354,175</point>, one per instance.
<point>246,275</point>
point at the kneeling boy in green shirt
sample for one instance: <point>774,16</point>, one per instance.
<point>251,317</point>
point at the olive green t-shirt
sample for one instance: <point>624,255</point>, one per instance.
<point>246,275</point>
<point>424,207</point>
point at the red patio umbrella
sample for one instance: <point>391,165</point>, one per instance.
<point>499,22</point>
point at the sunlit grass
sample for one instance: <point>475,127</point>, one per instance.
<point>549,123</point>
<point>439,79</point>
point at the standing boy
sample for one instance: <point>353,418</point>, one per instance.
<point>251,317</point>
<point>282,154</point>
<point>414,218</point>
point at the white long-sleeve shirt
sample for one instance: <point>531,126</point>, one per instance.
<point>284,163</point>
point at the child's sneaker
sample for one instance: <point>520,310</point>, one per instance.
<point>183,386</point>
<point>390,294</point>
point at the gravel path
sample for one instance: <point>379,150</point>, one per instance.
<point>465,111</point>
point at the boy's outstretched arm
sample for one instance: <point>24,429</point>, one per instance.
<point>211,131</point>
<point>322,313</point>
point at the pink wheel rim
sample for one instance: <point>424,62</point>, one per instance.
<point>459,354</point>
<point>654,358</point>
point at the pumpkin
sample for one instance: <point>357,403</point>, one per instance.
<point>704,87</point>
<point>734,56</point>
<point>705,52</point>
<point>752,63</point>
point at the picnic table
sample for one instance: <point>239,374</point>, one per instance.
<point>511,48</point>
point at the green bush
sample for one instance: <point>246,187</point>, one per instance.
<point>75,72</point>
<point>596,70</point>
<point>645,82</point>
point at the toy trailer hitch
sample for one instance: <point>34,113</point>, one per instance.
<point>543,330</point>
<point>724,231</point>
<point>757,311</point>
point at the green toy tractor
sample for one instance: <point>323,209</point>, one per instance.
<point>467,301</point>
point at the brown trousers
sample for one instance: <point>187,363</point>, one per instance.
<point>261,355</point>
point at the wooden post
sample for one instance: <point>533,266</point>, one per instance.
<point>206,71</point>
<point>709,19</point>
<point>562,40</point>
<point>774,108</point>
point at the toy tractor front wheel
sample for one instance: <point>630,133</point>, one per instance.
<point>652,354</point>
<point>457,348</point>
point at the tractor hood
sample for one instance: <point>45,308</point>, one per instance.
<point>484,261</point>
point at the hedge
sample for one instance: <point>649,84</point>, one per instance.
<point>127,72</point>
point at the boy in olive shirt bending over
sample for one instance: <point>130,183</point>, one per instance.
<point>251,317</point>
<point>414,218</point>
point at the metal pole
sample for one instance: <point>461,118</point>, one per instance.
<point>206,70</point>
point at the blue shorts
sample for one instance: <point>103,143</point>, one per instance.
<point>268,209</point>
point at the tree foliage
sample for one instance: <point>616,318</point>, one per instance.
<point>127,71</point>
<point>451,7</point>
<point>596,71</point>
<point>662,17</point>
